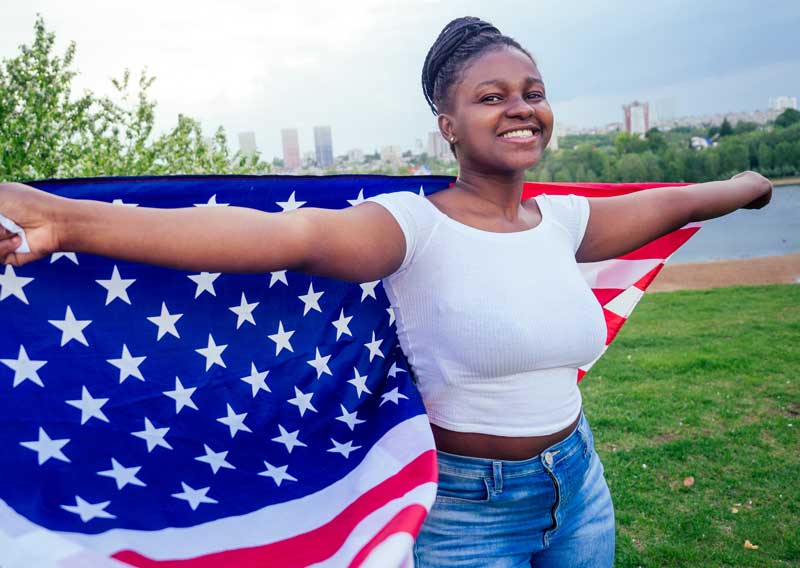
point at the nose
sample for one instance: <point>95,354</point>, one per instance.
<point>519,107</point>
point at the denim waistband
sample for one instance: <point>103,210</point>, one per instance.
<point>486,467</point>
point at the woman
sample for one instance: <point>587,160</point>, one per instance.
<point>493,314</point>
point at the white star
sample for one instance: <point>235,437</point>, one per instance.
<point>116,287</point>
<point>302,401</point>
<point>212,353</point>
<point>234,421</point>
<point>342,325</point>
<point>278,474</point>
<point>12,285</point>
<point>89,407</point>
<point>88,511</point>
<point>311,299</point>
<point>212,202</point>
<point>153,436</point>
<point>119,201</point>
<point>47,448</point>
<point>244,312</point>
<point>166,322</point>
<point>68,255</point>
<point>257,380</point>
<point>215,459</point>
<point>194,496</point>
<point>393,395</point>
<point>71,328</point>
<point>344,449</point>
<point>281,339</point>
<point>358,200</point>
<point>292,204</point>
<point>24,368</point>
<point>368,290</point>
<point>360,382</point>
<point>182,396</point>
<point>391,315</point>
<point>421,192</point>
<point>123,475</point>
<point>374,347</point>
<point>205,282</point>
<point>349,418</point>
<point>394,370</point>
<point>288,439</point>
<point>128,366</point>
<point>320,363</point>
<point>277,276</point>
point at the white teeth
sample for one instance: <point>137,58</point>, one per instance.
<point>518,134</point>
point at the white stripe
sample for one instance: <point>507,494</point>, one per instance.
<point>623,304</point>
<point>616,273</point>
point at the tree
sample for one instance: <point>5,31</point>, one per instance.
<point>725,128</point>
<point>629,143</point>
<point>787,118</point>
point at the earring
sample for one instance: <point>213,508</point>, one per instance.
<point>452,140</point>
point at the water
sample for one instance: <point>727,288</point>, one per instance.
<point>772,231</point>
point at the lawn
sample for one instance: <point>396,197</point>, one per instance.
<point>696,414</point>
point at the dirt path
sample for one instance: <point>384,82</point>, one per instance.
<point>717,274</point>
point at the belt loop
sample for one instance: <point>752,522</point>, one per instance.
<point>497,476</point>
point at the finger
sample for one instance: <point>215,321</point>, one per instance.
<point>9,244</point>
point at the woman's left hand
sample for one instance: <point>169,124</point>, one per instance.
<point>763,185</point>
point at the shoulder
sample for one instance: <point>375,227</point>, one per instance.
<point>571,212</point>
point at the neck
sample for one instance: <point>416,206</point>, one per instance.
<point>498,191</point>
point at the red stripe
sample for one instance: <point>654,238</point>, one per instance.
<point>313,546</point>
<point>662,247</point>
<point>409,520</point>
<point>613,323</point>
<point>648,278</point>
<point>531,189</point>
<point>605,295</point>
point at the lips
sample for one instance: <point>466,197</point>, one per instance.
<point>524,135</point>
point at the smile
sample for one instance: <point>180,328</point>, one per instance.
<point>521,136</point>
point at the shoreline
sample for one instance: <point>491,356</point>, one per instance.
<point>757,271</point>
<point>786,181</point>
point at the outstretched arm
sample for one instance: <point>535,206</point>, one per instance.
<point>360,244</point>
<point>619,225</point>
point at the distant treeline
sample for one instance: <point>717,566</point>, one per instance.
<point>772,150</point>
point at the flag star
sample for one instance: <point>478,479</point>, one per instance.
<point>292,204</point>
<point>358,200</point>
<point>257,380</point>
<point>47,448</point>
<point>212,353</point>
<point>421,192</point>
<point>205,282</point>
<point>153,436</point>
<point>368,290</point>
<point>68,255</point>
<point>390,311</point>
<point>182,396</point>
<point>24,368</point>
<point>234,421</point>
<point>12,285</point>
<point>212,202</point>
<point>281,339</point>
<point>394,370</point>
<point>320,363</point>
<point>128,366</point>
<point>244,312</point>
<point>342,325</point>
<point>116,287</point>
<point>278,474</point>
<point>311,299</point>
<point>302,401</point>
<point>288,439</point>
<point>71,328</point>
<point>349,418</point>
<point>166,322</point>
<point>360,382</point>
<point>374,347</point>
<point>119,201</point>
<point>123,475</point>
<point>344,449</point>
<point>216,460</point>
<point>90,407</point>
<point>277,276</point>
<point>393,395</point>
<point>194,496</point>
<point>88,511</point>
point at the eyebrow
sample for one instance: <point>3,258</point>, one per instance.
<point>528,81</point>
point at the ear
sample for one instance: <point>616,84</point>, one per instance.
<point>446,126</point>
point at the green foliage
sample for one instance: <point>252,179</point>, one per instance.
<point>787,118</point>
<point>46,131</point>
<point>725,128</point>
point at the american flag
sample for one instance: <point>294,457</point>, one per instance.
<point>157,417</point>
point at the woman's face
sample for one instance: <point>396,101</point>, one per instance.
<point>500,92</point>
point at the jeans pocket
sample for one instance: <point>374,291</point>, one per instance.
<point>460,489</point>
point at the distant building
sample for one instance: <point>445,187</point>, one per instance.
<point>438,147</point>
<point>323,146</point>
<point>291,148</point>
<point>309,159</point>
<point>247,143</point>
<point>781,103</point>
<point>418,148</point>
<point>391,153</point>
<point>355,156</point>
<point>553,144</point>
<point>637,118</point>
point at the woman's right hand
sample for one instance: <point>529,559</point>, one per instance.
<point>36,212</point>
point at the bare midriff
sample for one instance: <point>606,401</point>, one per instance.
<point>496,447</point>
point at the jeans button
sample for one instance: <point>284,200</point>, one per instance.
<point>548,458</point>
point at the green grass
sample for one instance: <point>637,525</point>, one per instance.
<point>703,384</point>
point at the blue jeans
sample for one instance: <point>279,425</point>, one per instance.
<point>550,511</point>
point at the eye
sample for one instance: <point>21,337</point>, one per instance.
<point>490,98</point>
<point>536,95</point>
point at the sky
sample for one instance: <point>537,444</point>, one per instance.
<point>261,65</point>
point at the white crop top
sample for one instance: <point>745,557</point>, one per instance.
<point>495,325</point>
